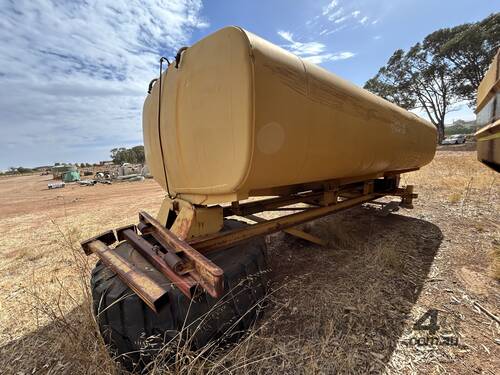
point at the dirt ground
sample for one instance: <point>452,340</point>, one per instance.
<point>352,306</point>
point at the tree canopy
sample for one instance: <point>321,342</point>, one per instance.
<point>444,69</point>
<point>134,155</point>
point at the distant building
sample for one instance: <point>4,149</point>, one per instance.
<point>106,162</point>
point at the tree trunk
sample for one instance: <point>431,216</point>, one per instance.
<point>440,129</point>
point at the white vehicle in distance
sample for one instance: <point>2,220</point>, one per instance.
<point>454,139</point>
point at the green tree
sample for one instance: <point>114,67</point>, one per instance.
<point>138,154</point>
<point>118,155</point>
<point>417,79</point>
<point>443,70</point>
<point>24,170</point>
<point>134,155</point>
<point>468,49</point>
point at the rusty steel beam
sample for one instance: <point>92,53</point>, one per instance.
<point>207,274</point>
<point>244,209</point>
<point>277,203</point>
<point>152,293</point>
<point>233,237</point>
<point>158,260</point>
<point>108,238</point>
<point>293,232</point>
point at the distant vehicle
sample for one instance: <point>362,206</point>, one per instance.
<point>454,139</point>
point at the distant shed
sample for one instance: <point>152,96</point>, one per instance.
<point>59,170</point>
<point>71,176</point>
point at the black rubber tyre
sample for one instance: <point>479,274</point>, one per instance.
<point>135,333</point>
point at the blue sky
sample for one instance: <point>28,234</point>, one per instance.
<point>74,73</point>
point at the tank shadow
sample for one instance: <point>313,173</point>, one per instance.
<point>351,300</point>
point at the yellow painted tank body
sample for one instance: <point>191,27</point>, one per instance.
<point>240,114</point>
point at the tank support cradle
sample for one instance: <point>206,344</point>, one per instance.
<point>179,255</point>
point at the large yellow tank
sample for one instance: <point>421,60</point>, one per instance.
<point>240,114</point>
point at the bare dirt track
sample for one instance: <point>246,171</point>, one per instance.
<point>349,307</point>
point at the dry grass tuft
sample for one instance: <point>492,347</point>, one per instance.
<point>496,261</point>
<point>64,325</point>
<point>455,197</point>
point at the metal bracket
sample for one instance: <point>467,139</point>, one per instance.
<point>203,271</point>
<point>387,208</point>
<point>407,197</point>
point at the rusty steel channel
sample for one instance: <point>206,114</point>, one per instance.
<point>152,293</point>
<point>233,237</point>
<point>168,264</point>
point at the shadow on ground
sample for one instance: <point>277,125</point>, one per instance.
<point>346,305</point>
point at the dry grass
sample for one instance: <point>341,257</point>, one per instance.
<point>345,308</point>
<point>455,197</point>
<point>496,261</point>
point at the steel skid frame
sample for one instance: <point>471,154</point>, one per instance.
<point>176,243</point>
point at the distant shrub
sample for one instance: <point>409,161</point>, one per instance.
<point>24,170</point>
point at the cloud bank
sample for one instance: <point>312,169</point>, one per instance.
<point>74,74</point>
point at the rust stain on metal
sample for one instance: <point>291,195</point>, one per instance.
<point>207,274</point>
<point>186,284</point>
<point>108,238</point>
<point>183,222</point>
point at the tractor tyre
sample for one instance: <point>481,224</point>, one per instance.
<point>136,334</point>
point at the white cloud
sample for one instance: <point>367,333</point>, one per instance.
<point>343,55</point>
<point>335,15</point>
<point>314,52</point>
<point>328,8</point>
<point>341,19</point>
<point>286,35</point>
<point>76,73</point>
<point>341,27</point>
<point>377,37</point>
<point>338,15</point>
<point>374,22</point>
<point>318,59</point>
